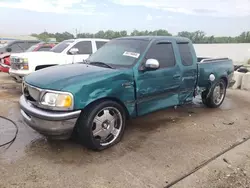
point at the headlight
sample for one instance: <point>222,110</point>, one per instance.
<point>58,101</point>
<point>24,65</point>
<point>23,60</point>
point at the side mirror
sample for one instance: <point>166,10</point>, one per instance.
<point>8,49</point>
<point>73,51</point>
<point>152,64</point>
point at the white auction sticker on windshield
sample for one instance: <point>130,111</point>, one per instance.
<point>131,54</point>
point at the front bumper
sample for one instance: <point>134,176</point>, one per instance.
<point>58,125</point>
<point>17,75</point>
<point>4,68</point>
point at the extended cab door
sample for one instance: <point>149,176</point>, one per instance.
<point>85,49</point>
<point>189,70</point>
<point>158,89</point>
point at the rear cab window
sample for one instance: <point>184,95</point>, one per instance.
<point>28,44</point>
<point>185,53</point>
<point>34,47</point>
<point>99,44</point>
<point>44,48</point>
<point>163,52</point>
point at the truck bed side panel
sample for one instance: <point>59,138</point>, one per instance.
<point>218,68</point>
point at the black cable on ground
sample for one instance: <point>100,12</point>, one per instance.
<point>14,138</point>
<point>206,162</point>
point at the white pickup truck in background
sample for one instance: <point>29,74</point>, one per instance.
<point>66,52</point>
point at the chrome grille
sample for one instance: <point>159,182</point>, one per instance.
<point>15,66</point>
<point>31,93</point>
<point>14,63</point>
<point>14,60</point>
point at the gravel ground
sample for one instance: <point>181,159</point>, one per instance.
<point>156,149</point>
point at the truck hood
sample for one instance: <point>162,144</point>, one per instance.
<point>45,57</point>
<point>73,75</point>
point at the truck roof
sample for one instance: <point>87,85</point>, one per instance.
<point>88,39</point>
<point>13,41</point>
<point>149,38</point>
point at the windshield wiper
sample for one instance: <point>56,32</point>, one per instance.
<point>99,63</point>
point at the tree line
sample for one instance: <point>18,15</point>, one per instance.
<point>198,37</point>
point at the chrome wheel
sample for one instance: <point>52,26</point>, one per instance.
<point>107,125</point>
<point>219,93</point>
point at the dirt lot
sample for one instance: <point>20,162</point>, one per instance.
<point>156,149</point>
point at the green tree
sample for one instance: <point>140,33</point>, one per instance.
<point>135,33</point>
<point>63,36</point>
<point>123,33</point>
<point>162,32</point>
<point>100,34</point>
<point>109,34</point>
<point>196,36</point>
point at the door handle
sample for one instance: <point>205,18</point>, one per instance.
<point>177,76</point>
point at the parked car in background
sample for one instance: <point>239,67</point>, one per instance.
<point>17,46</point>
<point>13,46</point>
<point>66,52</point>
<point>126,78</point>
<point>42,46</point>
<point>5,57</point>
<point>5,62</point>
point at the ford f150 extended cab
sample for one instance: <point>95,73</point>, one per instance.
<point>126,78</point>
<point>66,52</point>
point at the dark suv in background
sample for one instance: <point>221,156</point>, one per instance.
<point>17,46</point>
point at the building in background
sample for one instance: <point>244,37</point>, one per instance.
<point>51,39</point>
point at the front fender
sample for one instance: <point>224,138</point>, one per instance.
<point>118,86</point>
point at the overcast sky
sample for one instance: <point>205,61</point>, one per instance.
<point>215,17</point>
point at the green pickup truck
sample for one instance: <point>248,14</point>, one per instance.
<point>126,78</point>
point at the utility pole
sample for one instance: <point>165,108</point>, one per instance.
<point>76,33</point>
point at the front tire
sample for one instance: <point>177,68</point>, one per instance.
<point>217,95</point>
<point>101,125</point>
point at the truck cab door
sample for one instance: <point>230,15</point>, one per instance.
<point>188,63</point>
<point>158,89</point>
<point>81,51</point>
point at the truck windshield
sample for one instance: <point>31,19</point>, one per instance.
<point>120,52</point>
<point>61,46</point>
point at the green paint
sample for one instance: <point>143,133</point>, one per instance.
<point>141,92</point>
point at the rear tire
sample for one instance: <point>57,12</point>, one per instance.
<point>217,95</point>
<point>101,125</point>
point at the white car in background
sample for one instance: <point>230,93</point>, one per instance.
<point>66,52</point>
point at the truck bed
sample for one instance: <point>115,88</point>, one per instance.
<point>220,67</point>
